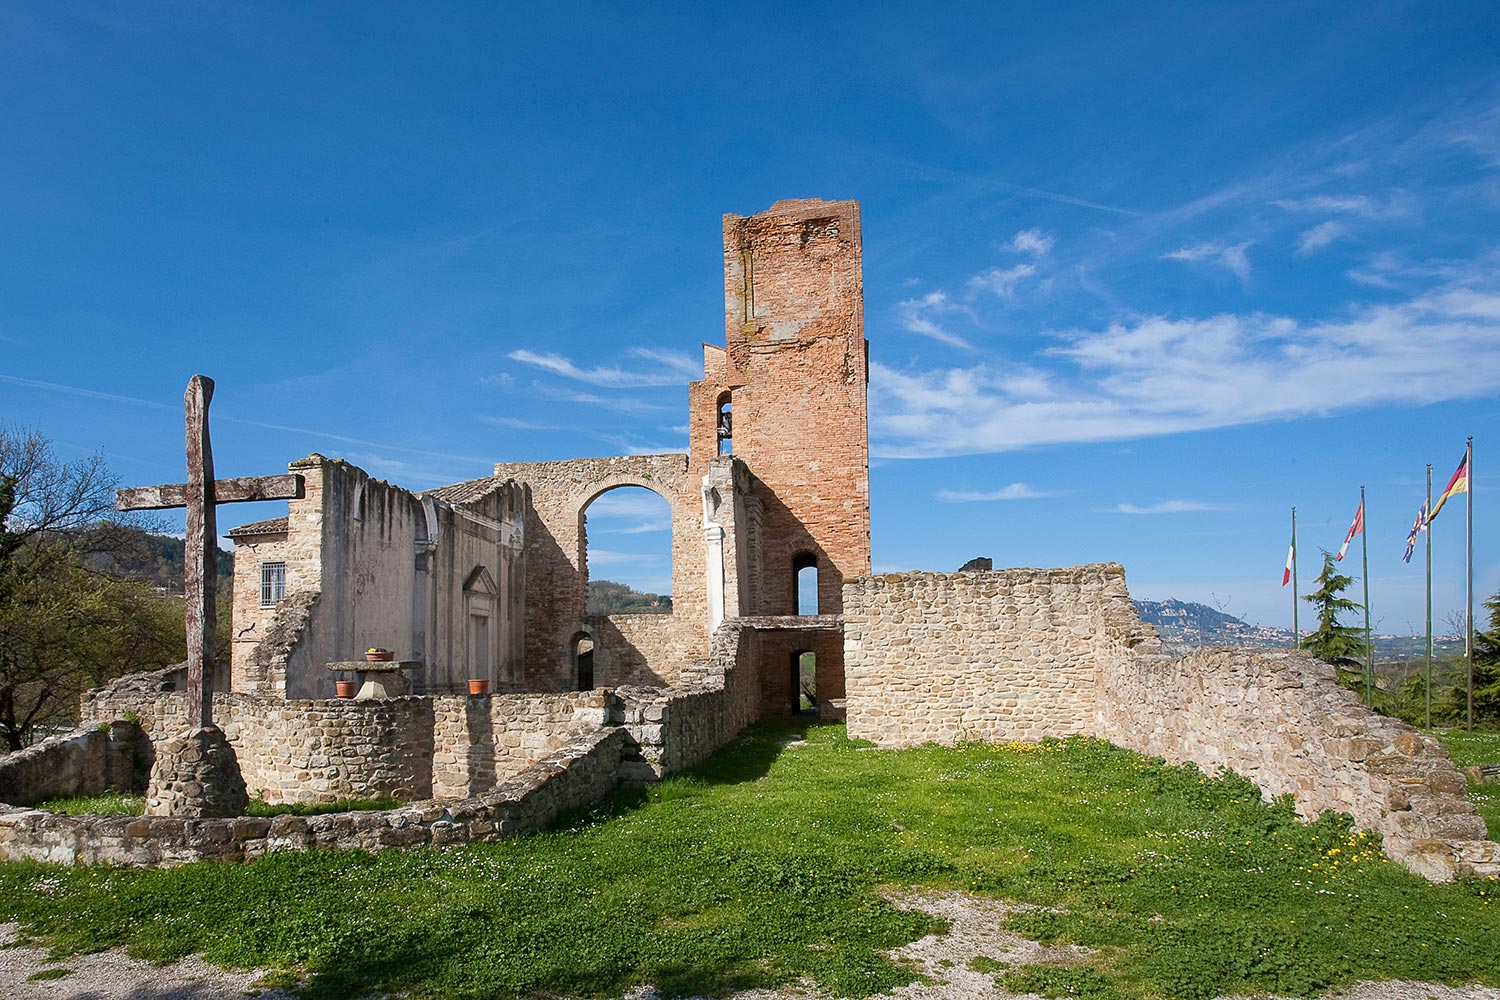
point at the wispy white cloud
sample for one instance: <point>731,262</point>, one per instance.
<point>670,369</point>
<point>1324,204</point>
<point>1002,282</point>
<point>924,317</point>
<point>1032,241</point>
<point>1015,491</point>
<point>1320,236</point>
<point>1168,507</point>
<point>610,557</point>
<point>1163,376</point>
<point>515,424</point>
<point>1232,257</point>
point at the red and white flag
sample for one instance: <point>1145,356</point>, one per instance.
<point>1291,557</point>
<point>1357,528</point>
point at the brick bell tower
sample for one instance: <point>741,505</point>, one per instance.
<point>787,396</point>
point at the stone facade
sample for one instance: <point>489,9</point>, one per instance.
<point>439,581</point>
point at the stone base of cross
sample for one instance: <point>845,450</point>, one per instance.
<point>196,773</point>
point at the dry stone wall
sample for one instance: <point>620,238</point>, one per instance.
<point>481,741</point>
<point>1282,720</point>
<point>582,772</point>
<point>84,762</point>
<point>995,656</point>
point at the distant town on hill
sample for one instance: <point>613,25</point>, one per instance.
<point>1185,626</point>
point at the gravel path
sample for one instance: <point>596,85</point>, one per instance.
<point>974,930</point>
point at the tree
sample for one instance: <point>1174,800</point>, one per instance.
<point>1333,642</point>
<point>1486,668</point>
<point>64,627</point>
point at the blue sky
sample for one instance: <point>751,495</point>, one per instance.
<point>1138,279</point>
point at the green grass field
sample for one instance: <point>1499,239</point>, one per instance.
<point>770,862</point>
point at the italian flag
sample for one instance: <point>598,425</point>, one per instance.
<point>1291,557</point>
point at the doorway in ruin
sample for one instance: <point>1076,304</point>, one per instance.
<point>625,551</point>
<point>804,700</point>
<point>582,657</point>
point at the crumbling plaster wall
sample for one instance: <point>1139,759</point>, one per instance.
<point>371,564</point>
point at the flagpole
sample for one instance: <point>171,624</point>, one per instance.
<point>1364,548</point>
<point>1428,675</point>
<point>1469,579</point>
<point>1296,632</point>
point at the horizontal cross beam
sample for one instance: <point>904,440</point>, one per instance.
<point>244,489</point>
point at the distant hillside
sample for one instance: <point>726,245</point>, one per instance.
<point>1184,626</point>
<point>157,559</point>
<point>609,598</point>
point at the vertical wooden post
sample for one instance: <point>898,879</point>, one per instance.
<point>201,565</point>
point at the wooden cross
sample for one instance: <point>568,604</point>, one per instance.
<point>199,495</point>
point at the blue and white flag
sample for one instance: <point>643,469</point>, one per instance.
<point>1419,526</point>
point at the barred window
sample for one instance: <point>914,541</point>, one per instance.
<point>272,583</point>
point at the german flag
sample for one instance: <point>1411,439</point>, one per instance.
<point>1458,484</point>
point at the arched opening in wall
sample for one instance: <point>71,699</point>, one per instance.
<point>625,542</point>
<point>805,588</point>
<point>724,423</point>
<point>804,682</point>
<point>583,661</point>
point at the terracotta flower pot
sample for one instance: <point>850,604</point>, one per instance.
<point>477,686</point>
<point>344,689</point>
<point>380,656</point>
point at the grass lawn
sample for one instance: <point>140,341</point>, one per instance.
<point>1477,747</point>
<point>768,863</point>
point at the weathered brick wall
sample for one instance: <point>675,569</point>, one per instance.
<point>1282,720</point>
<point>794,367</point>
<point>557,574</point>
<point>578,774</point>
<point>84,762</point>
<point>1004,655</point>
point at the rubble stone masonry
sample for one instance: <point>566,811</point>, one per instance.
<point>993,656</point>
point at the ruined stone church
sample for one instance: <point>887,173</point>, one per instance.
<point>487,581</point>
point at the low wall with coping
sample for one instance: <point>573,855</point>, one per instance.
<point>578,774</point>
<point>993,655</point>
<point>1281,719</point>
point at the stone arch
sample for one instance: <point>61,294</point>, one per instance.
<point>581,658</point>
<point>805,583</point>
<point>597,490</point>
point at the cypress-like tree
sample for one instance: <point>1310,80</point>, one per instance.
<point>1333,642</point>
<point>1487,667</point>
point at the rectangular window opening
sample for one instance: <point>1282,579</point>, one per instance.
<point>272,583</point>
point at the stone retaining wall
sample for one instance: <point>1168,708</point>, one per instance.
<point>578,774</point>
<point>84,762</point>
<point>479,741</point>
<point>1283,721</point>
<point>1003,655</point>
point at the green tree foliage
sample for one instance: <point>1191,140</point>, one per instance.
<point>1486,675</point>
<point>1333,642</point>
<point>65,625</point>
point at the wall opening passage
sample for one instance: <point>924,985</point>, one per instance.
<point>804,682</point>
<point>583,661</point>
<point>805,587</point>
<point>625,541</point>
<point>724,424</point>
